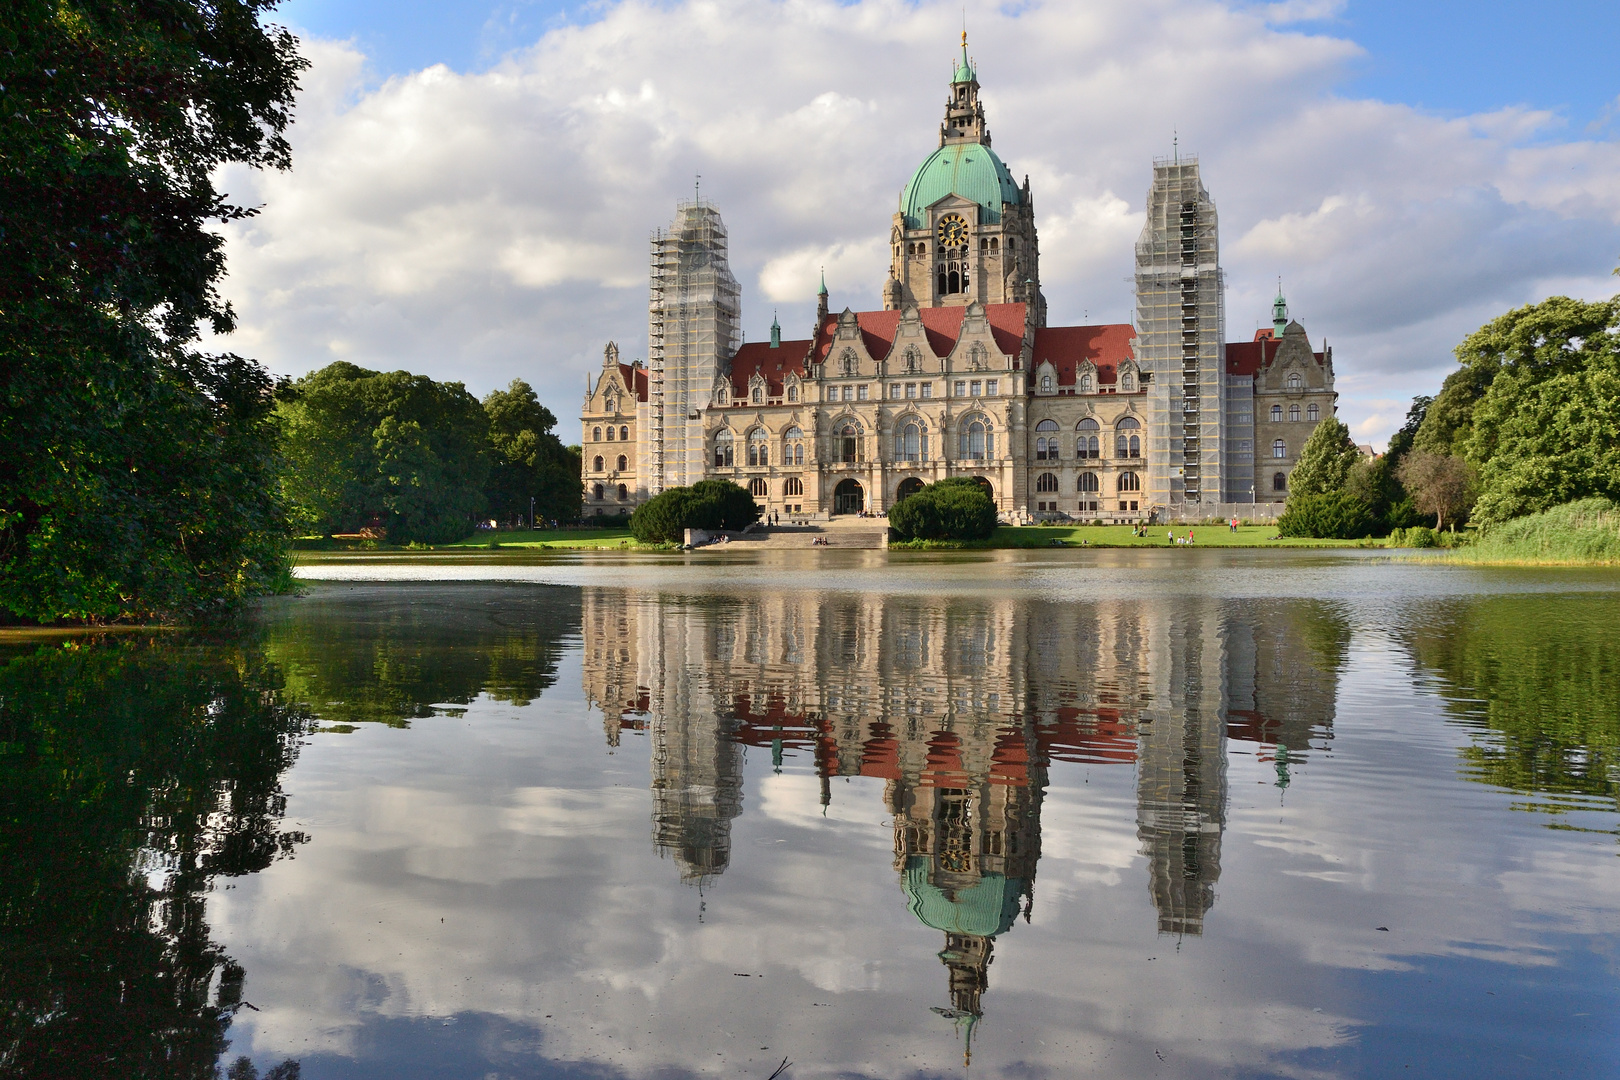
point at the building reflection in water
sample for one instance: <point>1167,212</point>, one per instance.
<point>962,705</point>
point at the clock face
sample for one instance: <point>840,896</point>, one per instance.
<point>953,232</point>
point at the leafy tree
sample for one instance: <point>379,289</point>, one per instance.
<point>1534,407</point>
<point>389,449</point>
<point>528,460</point>
<point>135,472</point>
<point>1442,485</point>
<point>1337,515</point>
<point>1325,462</point>
<point>707,504</point>
<point>956,508</point>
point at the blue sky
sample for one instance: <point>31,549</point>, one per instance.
<point>1409,170</point>
<point>1453,57</point>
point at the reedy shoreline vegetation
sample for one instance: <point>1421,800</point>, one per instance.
<point>1582,533</point>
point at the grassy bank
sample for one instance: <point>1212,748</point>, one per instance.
<point>1042,536</point>
<point>1583,533</point>
<point>517,539</point>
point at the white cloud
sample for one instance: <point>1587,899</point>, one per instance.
<point>493,225</point>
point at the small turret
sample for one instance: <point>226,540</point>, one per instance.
<point>776,332</point>
<point>821,300</point>
<point>1279,312</point>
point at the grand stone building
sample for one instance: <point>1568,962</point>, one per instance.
<point>956,372</point>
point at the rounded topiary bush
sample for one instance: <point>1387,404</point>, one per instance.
<point>956,508</point>
<point>708,504</point>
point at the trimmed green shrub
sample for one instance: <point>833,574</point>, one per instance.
<point>1334,515</point>
<point>708,504</point>
<point>956,508</point>
<point>1418,536</point>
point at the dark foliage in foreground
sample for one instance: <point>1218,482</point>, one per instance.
<point>707,504</point>
<point>136,474</point>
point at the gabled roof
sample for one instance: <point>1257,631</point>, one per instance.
<point>942,326</point>
<point>635,380</point>
<point>775,364</point>
<point>1248,357</point>
<point>1067,347</point>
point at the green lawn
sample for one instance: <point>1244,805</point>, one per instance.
<point>1120,536</point>
<point>551,538</point>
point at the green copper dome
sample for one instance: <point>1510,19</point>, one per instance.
<point>985,908</point>
<point>970,170</point>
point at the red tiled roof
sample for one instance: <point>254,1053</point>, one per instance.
<point>635,378</point>
<point>942,325</point>
<point>1248,357</point>
<point>775,364</point>
<point>1067,347</point>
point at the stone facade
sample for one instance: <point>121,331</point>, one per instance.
<point>957,374</point>
<point>610,436</point>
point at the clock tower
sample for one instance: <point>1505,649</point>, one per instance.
<point>965,230</point>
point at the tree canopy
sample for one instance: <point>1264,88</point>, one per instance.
<point>137,473</point>
<point>388,450</point>
<point>707,504</point>
<point>527,460</point>
<point>1535,407</point>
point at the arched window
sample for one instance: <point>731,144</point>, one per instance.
<point>1294,380</point>
<point>995,244</point>
<point>759,447</point>
<point>624,492</point>
<point>624,463</point>
<point>596,465</point>
<point>1129,481</point>
<point>624,434</point>
<point>1085,383</point>
<point>610,433</point>
<point>1088,484</point>
<point>722,449</point>
<point>1127,382</point>
<point>597,491</point>
<point>793,486</point>
<point>976,441</point>
<point>793,446</point>
<point>1279,481</point>
<point>759,488</point>
<point>1046,384</point>
<point>1313,412</point>
<point>757,394</point>
<point>596,434</point>
<point>1279,449</point>
<point>849,443</point>
<point>1046,448</point>
<point>1127,443</point>
<point>1293,413</point>
<point>1088,444</point>
<point>1046,482</point>
<point>1276,414</point>
<point>793,393</point>
<point>911,442</point>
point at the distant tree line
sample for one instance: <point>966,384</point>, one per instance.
<point>1529,421</point>
<point>421,461</point>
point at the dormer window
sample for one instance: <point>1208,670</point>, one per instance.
<point>793,393</point>
<point>1085,384</point>
<point>1294,382</point>
<point>1127,382</point>
<point>758,395</point>
<point>1046,384</point>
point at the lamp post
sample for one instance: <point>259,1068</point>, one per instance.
<point>531,513</point>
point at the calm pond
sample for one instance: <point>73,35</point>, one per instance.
<point>1005,814</point>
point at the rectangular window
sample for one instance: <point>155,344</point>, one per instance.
<point>961,388</point>
<point>990,388</point>
<point>911,389</point>
<point>860,393</point>
<point>927,389</point>
<point>849,393</point>
<point>976,385</point>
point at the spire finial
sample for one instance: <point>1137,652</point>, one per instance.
<point>1175,145</point>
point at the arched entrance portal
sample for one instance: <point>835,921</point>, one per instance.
<point>908,487</point>
<point>988,490</point>
<point>848,498</point>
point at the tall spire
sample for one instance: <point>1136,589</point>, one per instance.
<point>964,115</point>
<point>776,332</point>
<point>1279,312</point>
<point>821,300</point>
